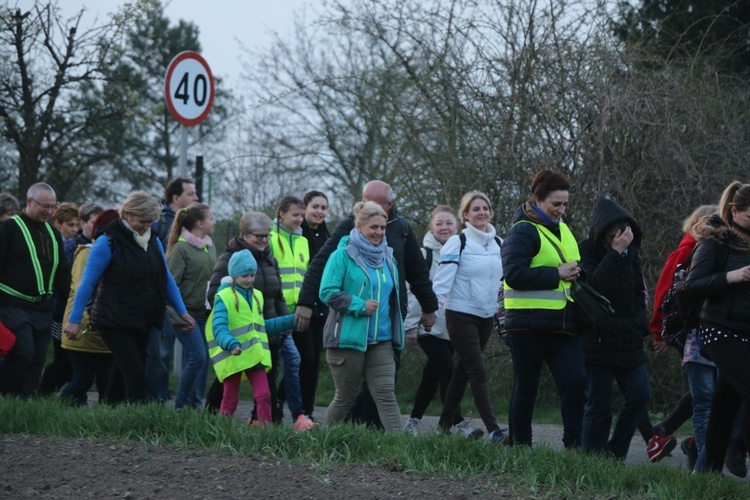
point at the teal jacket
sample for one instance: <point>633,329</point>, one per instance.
<point>345,286</point>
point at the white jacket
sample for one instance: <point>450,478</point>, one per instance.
<point>414,311</point>
<point>470,283</point>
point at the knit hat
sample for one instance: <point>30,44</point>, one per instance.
<point>242,263</point>
<point>104,218</point>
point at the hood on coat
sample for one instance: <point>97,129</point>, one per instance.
<point>429,241</point>
<point>714,228</point>
<point>608,213</point>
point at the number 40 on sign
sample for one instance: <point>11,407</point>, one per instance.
<point>189,88</point>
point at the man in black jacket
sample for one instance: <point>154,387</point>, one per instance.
<point>412,268</point>
<point>32,267</point>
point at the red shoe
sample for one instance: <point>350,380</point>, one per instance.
<point>303,423</point>
<point>659,447</point>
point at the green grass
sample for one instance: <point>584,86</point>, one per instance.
<point>538,472</point>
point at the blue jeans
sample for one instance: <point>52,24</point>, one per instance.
<point>21,371</point>
<point>564,357</point>
<point>597,419</point>
<point>158,356</point>
<point>86,366</point>
<point>702,379</point>
<point>195,360</point>
<point>291,359</point>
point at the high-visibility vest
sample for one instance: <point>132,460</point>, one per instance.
<point>556,298</point>
<point>248,327</point>
<point>43,292</point>
<point>293,255</point>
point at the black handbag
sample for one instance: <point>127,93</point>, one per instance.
<point>592,308</point>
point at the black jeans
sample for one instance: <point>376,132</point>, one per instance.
<point>129,357</point>
<point>731,394</point>
<point>310,345</point>
<point>58,372</point>
<point>437,373</point>
<point>469,335</point>
<point>564,357</point>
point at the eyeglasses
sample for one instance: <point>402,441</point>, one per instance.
<point>260,236</point>
<point>44,205</point>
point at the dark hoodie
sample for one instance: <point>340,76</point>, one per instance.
<point>618,342</point>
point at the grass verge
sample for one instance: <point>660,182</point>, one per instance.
<point>520,472</point>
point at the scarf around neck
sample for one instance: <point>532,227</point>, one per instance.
<point>545,218</point>
<point>374,256</point>
<point>199,243</point>
<point>141,241</point>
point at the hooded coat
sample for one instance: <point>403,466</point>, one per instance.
<point>618,341</point>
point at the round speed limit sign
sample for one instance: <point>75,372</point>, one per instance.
<point>189,88</point>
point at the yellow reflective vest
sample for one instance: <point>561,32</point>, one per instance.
<point>293,255</point>
<point>548,256</point>
<point>248,327</point>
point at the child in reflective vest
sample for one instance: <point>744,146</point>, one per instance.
<point>237,338</point>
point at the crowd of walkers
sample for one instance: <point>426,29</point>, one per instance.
<point>113,290</point>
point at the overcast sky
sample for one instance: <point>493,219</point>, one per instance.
<point>224,24</point>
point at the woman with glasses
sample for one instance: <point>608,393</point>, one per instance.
<point>255,228</point>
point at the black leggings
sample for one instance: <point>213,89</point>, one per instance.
<point>731,394</point>
<point>436,374</point>
<point>129,357</point>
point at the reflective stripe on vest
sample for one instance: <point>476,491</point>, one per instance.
<point>38,274</point>
<point>248,327</point>
<point>546,257</point>
<point>293,259</point>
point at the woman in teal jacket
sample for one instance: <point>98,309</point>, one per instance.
<point>364,324</point>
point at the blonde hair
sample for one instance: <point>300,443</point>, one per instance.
<point>466,201</point>
<point>142,205</point>
<point>702,211</point>
<point>365,210</point>
<point>65,212</point>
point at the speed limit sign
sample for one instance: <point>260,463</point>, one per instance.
<point>189,88</point>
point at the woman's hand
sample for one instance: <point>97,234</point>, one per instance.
<point>189,320</point>
<point>236,351</point>
<point>622,240</point>
<point>569,271</point>
<point>371,306</point>
<point>738,275</point>
<point>411,338</point>
<point>71,330</point>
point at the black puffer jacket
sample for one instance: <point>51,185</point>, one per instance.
<point>132,291</point>
<point>618,342</point>
<point>406,250</point>
<point>267,279</point>
<point>726,306</point>
<point>519,248</point>
<point>316,239</point>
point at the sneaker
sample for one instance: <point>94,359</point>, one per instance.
<point>412,426</point>
<point>659,447</point>
<point>659,430</point>
<point>690,450</point>
<point>499,438</point>
<point>735,458</point>
<point>464,429</point>
<point>303,423</point>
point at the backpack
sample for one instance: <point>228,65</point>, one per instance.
<point>681,314</point>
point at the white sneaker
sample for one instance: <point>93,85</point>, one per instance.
<point>412,426</point>
<point>464,429</point>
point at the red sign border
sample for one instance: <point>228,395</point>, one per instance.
<point>188,54</point>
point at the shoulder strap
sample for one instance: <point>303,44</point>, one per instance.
<point>559,252</point>
<point>428,257</point>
